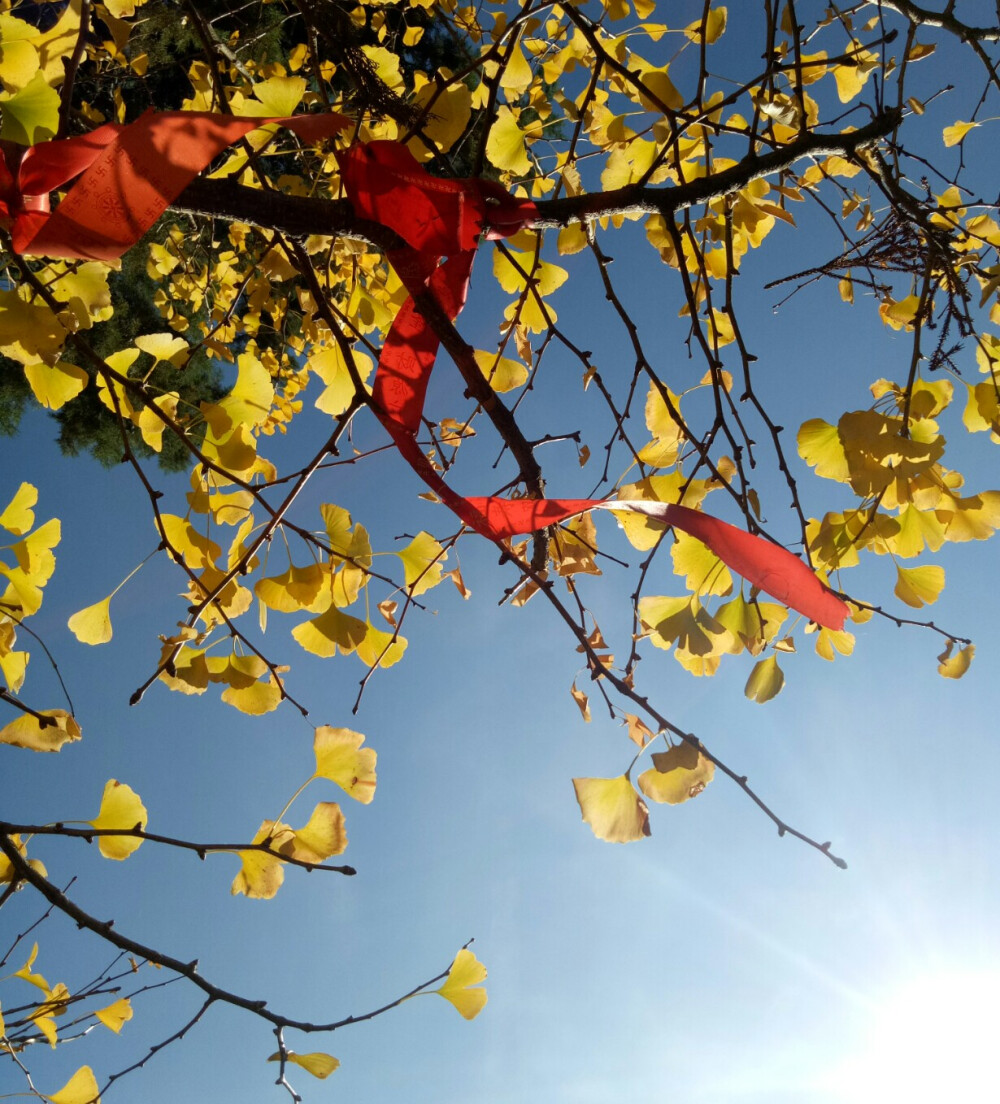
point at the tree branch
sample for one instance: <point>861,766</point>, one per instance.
<point>301,216</point>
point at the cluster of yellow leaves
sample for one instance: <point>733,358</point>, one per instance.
<point>341,759</point>
<point>460,989</point>
<point>910,502</point>
<point>615,811</point>
<point>31,67</point>
<point>27,568</point>
<point>41,1018</point>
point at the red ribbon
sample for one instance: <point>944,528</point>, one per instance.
<point>127,176</point>
<point>444,218</point>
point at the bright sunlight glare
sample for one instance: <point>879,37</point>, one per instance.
<point>932,1040</point>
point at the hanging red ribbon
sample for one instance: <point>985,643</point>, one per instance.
<point>127,176</point>
<point>438,218</point>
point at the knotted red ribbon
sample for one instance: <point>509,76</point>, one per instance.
<point>127,176</point>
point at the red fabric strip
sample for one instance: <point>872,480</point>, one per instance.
<point>128,176</point>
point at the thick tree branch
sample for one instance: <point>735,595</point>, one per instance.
<point>945,21</point>
<point>300,216</point>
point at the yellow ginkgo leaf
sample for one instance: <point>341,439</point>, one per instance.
<point>715,26</point>
<point>703,571</point>
<point>121,807</point>
<point>7,872</point>
<point>422,563</point>
<point>502,373</point>
<point>151,424</point>
<point>26,973</point>
<point>261,874</point>
<point>954,666</point>
<point>677,775</point>
<point>612,808</point>
<point>505,145</point>
<point>821,447</point>
<point>766,680</point>
<point>31,114</point>
<point>324,835</point>
<point>382,648</point>
<point>250,400</point>
<point>185,541</point>
<point>956,132</point>
<point>256,699</point>
<point>465,972</point>
<point>46,1024</point>
<point>323,635</point>
<point>81,1088</point>
<point>29,732</point>
<point>55,384</point>
<point>919,586</point>
<point>317,1063</point>
<point>93,624</point>
<point>341,758</point>
<point>164,346</point>
<point>115,1015</point>
<point>19,517</point>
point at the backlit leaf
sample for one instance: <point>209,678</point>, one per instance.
<point>150,422</point>
<point>505,146</point>
<point>185,541</point>
<point>956,132</point>
<point>121,807</point>
<point>93,624</point>
<point>703,571</point>
<point>714,27</point>
<point>81,1088</point>
<point>341,758</point>
<point>919,586</point>
<point>27,974</point>
<point>250,400</point>
<point>19,517</point>
<point>323,635</point>
<point>31,114</point>
<point>55,384</point>
<point>165,347</point>
<point>261,874</point>
<point>465,972</point>
<point>612,808</point>
<point>502,373</point>
<point>422,560</point>
<point>27,731</point>
<point>830,641</point>
<point>382,648</point>
<point>954,666</point>
<point>115,1015</point>
<point>821,448</point>
<point>677,775</point>
<point>322,836</point>
<point>766,680</point>
<point>256,699</point>
<point>317,1063</point>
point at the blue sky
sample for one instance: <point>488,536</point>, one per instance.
<point>710,963</point>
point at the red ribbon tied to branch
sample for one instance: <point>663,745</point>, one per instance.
<point>444,218</point>
<point>127,175</point>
